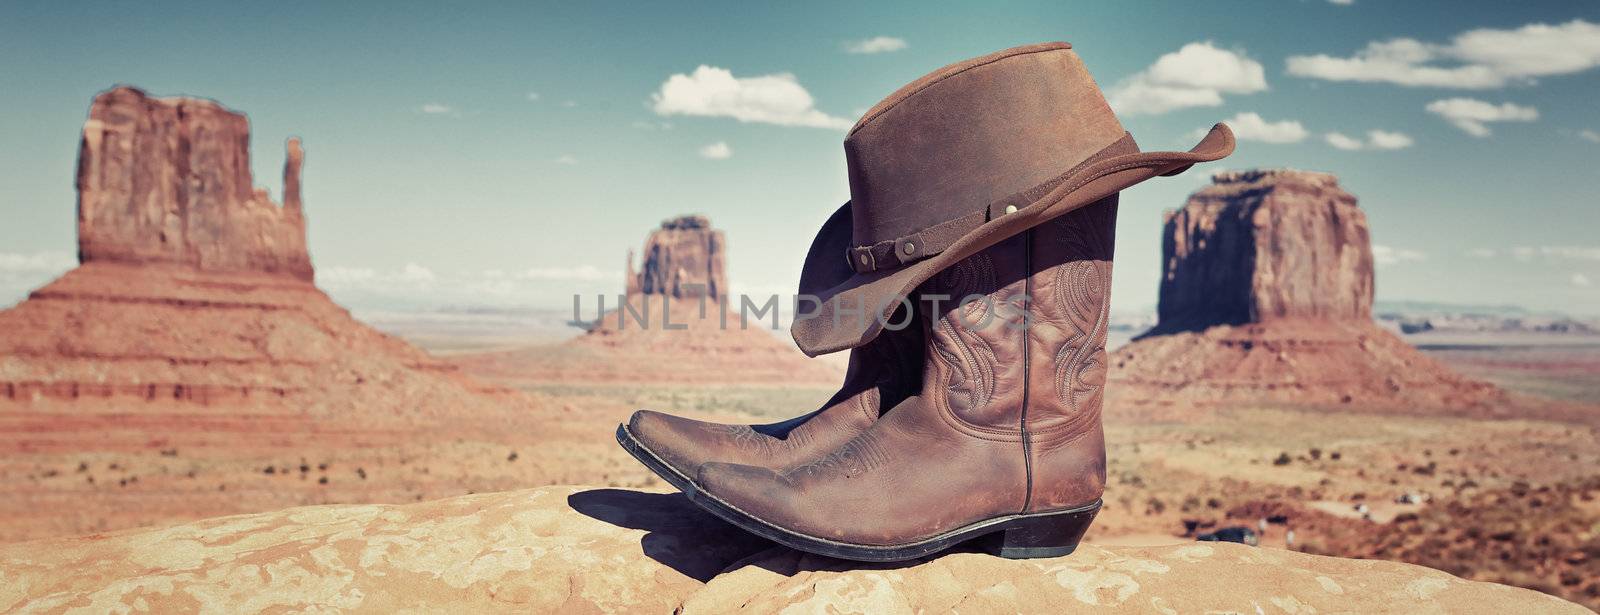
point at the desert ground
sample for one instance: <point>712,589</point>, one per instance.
<point>1504,500</point>
<point>1514,501</point>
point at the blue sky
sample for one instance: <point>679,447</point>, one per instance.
<point>509,154</point>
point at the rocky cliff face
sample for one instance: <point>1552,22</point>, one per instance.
<point>1267,296</point>
<point>167,180</point>
<point>1264,245</point>
<point>685,258</point>
<point>577,550</point>
<point>192,349</point>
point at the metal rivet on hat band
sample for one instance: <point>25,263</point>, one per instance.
<point>1011,209</point>
<point>911,248</point>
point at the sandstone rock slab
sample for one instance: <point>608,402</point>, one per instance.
<point>578,550</point>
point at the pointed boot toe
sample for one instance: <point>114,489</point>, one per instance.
<point>879,375</point>
<point>671,446</point>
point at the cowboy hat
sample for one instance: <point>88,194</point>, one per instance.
<point>957,161</point>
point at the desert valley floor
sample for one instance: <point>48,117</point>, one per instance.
<point>1509,499</point>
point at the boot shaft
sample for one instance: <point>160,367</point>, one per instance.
<point>1017,332</point>
<point>1016,349</point>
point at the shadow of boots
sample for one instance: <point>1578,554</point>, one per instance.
<point>686,538</point>
<point>679,534</point>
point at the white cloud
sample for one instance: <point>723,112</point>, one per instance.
<point>768,99</point>
<point>569,103</point>
<point>344,276</point>
<point>413,276</point>
<point>1385,256</point>
<point>1471,114</point>
<point>1343,141</point>
<point>1376,139</point>
<point>1383,139</point>
<point>1197,75</point>
<point>643,125</point>
<point>1585,253</point>
<point>1249,126</point>
<point>437,109</point>
<point>580,272</point>
<point>1556,253</point>
<point>876,44</point>
<point>566,159</point>
<point>410,277</point>
<point>23,272</point>
<point>533,96</point>
<point>1342,2</point>
<point>1476,59</point>
<point>717,151</point>
<point>1589,135</point>
<point>1579,279</point>
<point>37,262</point>
<point>413,272</point>
<point>1483,252</point>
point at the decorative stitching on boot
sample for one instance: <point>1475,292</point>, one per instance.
<point>1081,287</point>
<point>858,456</point>
<point>744,437</point>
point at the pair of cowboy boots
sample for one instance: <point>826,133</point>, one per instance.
<point>982,212</point>
<point>981,417</point>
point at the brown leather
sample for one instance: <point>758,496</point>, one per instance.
<point>959,160</point>
<point>880,375</point>
<point>1008,417</point>
<point>999,126</point>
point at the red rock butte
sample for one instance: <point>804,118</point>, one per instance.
<point>683,259</point>
<point>167,180</point>
<point>1266,295</point>
<point>192,324</point>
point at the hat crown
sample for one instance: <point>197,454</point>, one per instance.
<point>967,135</point>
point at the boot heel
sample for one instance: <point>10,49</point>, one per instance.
<point>1046,535</point>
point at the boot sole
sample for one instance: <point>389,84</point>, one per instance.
<point>1022,536</point>
<point>650,460</point>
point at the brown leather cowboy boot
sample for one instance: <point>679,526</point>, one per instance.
<point>879,376</point>
<point>1004,440</point>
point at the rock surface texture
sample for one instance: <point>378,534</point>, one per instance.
<point>189,363</point>
<point>577,550</point>
<point>1267,296</point>
<point>167,180</point>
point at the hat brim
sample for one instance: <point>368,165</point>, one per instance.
<point>870,298</point>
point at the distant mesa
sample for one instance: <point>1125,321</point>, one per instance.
<point>167,180</point>
<point>1265,245</point>
<point>685,258</point>
<point>679,289</point>
<point>1266,295</point>
<point>673,323</point>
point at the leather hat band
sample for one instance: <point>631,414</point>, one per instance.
<point>921,244</point>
